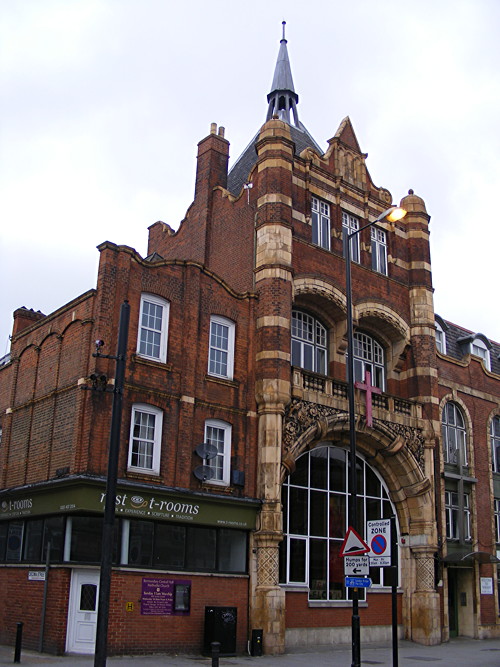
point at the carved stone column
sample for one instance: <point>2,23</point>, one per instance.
<point>268,608</point>
<point>425,603</point>
<point>268,599</point>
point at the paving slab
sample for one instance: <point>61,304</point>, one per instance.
<point>460,652</point>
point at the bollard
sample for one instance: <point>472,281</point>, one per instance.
<point>215,646</point>
<point>19,641</point>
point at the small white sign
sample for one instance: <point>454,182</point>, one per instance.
<point>380,561</point>
<point>356,566</point>
<point>36,575</point>
<point>486,586</point>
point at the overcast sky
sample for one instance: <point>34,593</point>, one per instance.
<point>104,101</point>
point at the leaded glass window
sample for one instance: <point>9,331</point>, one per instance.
<point>309,343</point>
<point>316,502</point>
<point>454,437</point>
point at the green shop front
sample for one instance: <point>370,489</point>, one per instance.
<point>175,554</point>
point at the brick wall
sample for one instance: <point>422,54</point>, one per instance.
<point>129,631</point>
<point>377,612</point>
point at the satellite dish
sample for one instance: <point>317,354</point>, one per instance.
<point>203,473</point>
<point>206,450</point>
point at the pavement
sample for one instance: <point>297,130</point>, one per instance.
<point>460,652</point>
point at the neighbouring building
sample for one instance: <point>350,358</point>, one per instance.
<point>233,495</point>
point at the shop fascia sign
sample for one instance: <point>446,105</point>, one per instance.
<point>134,503</point>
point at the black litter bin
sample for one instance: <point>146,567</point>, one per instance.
<point>220,626</point>
<point>256,643</point>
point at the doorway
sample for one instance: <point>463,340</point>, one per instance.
<point>82,612</point>
<point>452,602</point>
<point>461,605</point>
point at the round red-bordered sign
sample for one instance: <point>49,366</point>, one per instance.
<point>378,545</point>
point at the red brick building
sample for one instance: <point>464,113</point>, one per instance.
<point>233,462</point>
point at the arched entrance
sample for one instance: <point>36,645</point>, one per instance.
<point>391,479</point>
<point>316,500</point>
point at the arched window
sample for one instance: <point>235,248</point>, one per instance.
<point>369,356</point>
<point>221,347</point>
<point>315,519</point>
<point>309,343</point>
<point>454,437</point>
<point>495,443</point>
<point>440,338</point>
<point>479,349</point>
<point>153,328</point>
<point>145,439</point>
<point>320,223</point>
<point>218,433</point>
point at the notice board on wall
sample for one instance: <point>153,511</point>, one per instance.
<point>164,597</point>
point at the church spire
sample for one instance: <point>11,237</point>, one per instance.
<point>283,99</point>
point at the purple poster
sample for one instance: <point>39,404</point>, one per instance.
<point>160,597</point>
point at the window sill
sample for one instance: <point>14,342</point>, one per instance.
<point>295,588</point>
<point>132,473</point>
<point>156,363</point>
<point>224,381</point>
<point>125,567</point>
<point>225,489</point>
<point>318,604</point>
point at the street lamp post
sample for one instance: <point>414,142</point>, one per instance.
<point>391,215</point>
<point>101,641</point>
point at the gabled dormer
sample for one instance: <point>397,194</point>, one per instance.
<point>477,345</point>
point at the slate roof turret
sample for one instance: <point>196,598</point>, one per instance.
<point>283,102</point>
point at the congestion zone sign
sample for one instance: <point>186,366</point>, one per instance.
<point>378,536</point>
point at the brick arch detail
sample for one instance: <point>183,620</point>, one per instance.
<point>393,454</point>
<point>494,413</point>
<point>315,286</point>
<point>399,328</point>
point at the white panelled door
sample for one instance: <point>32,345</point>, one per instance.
<point>82,612</point>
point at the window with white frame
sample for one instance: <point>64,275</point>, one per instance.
<point>497,520</point>
<point>309,343</point>
<point>478,348</point>
<point>454,515</point>
<point>454,436</point>
<point>218,433</point>
<point>368,356</point>
<point>221,347</point>
<point>316,502</point>
<point>440,338</point>
<point>145,439</point>
<point>350,224</point>
<point>153,328</point>
<point>321,223</point>
<point>379,250</point>
<point>495,443</point>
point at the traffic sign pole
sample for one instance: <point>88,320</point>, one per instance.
<point>394,591</point>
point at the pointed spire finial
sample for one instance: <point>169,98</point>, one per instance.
<point>283,99</point>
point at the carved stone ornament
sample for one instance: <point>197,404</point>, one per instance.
<point>413,438</point>
<point>301,416</point>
